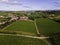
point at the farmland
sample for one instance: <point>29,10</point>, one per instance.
<point>16,40</point>
<point>47,26</point>
<point>24,26</point>
<point>32,31</point>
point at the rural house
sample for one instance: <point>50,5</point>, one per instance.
<point>23,18</point>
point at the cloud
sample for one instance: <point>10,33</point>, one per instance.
<point>57,3</point>
<point>26,6</point>
<point>15,2</point>
<point>11,3</point>
<point>4,1</point>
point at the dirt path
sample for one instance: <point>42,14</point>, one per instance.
<point>36,27</point>
<point>26,36</point>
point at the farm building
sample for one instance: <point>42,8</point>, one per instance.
<point>23,18</point>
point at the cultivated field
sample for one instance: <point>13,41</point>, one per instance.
<point>24,26</point>
<point>47,26</point>
<point>16,40</point>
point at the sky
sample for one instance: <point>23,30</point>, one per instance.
<point>21,5</point>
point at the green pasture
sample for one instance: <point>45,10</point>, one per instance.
<point>22,25</point>
<point>47,26</point>
<point>16,40</point>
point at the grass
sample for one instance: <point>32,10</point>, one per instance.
<point>47,26</point>
<point>25,26</point>
<point>15,40</point>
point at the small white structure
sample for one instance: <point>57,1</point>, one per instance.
<point>13,18</point>
<point>2,17</point>
<point>23,18</point>
<point>2,23</point>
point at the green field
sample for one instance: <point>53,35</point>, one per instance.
<point>47,26</point>
<point>25,26</point>
<point>16,40</point>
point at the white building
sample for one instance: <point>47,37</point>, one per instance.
<point>23,18</point>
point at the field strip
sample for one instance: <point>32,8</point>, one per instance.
<point>22,32</point>
<point>26,36</point>
<point>19,32</point>
<point>25,32</point>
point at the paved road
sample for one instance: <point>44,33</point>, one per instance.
<point>26,36</point>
